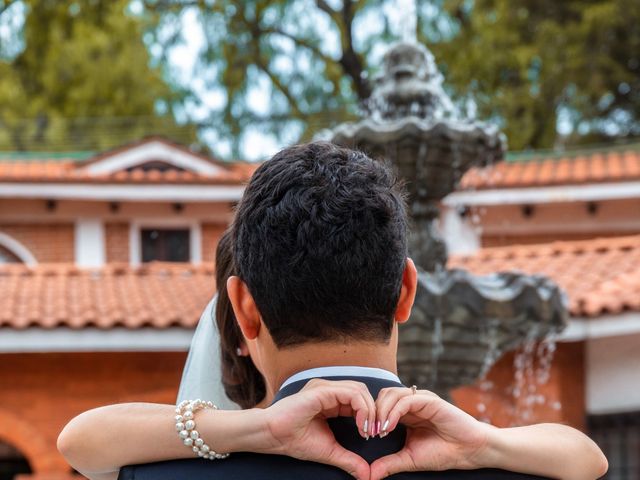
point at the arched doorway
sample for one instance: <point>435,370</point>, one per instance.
<point>12,251</point>
<point>7,256</point>
<point>12,462</point>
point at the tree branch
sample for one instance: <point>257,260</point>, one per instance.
<point>300,42</point>
<point>350,60</point>
<point>260,63</point>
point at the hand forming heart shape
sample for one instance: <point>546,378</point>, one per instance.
<point>440,436</point>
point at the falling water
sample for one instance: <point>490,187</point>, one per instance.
<point>532,370</point>
<point>408,20</point>
<point>436,349</point>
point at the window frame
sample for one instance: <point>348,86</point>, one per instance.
<point>135,236</point>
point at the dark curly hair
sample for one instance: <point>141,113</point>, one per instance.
<point>242,381</point>
<point>321,242</point>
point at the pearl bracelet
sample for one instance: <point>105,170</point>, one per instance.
<point>186,428</point>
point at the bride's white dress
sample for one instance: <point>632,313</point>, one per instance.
<point>202,375</point>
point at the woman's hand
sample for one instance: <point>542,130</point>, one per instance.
<point>297,425</point>
<point>440,436</point>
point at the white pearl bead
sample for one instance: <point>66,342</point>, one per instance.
<point>201,453</point>
<point>184,434</point>
<point>206,448</point>
<point>195,449</point>
<point>188,415</point>
<point>194,434</point>
<point>178,411</point>
<point>189,425</point>
<point>199,442</point>
<point>178,418</point>
<point>179,426</point>
<point>207,457</point>
<point>188,442</point>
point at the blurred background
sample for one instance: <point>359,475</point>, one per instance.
<point>128,130</point>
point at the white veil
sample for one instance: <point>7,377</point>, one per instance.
<point>202,374</point>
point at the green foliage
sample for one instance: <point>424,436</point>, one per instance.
<point>288,68</point>
<point>530,63</point>
<point>522,63</point>
<point>83,80</point>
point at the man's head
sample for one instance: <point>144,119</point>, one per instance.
<point>321,245</point>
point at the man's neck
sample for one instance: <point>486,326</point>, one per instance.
<point>290,361</point>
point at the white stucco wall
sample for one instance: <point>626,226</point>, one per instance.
<point>613,374</point>
<point>89,242</point>
<point>461,236</point>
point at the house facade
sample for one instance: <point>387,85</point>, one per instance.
<point>576,219</point>
<point>106,262</point>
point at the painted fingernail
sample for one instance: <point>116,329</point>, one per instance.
<point>378,428</point>
<point>365,428</point>
<point>385,426</point>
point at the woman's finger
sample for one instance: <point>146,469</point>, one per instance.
<point>347,399</point>
<point>387,399</point>
<point>394,463</point>
<point>350,462</point>
<point>423,404</point>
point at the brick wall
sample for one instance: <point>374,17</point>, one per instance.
<point>211,233</point>
<point>47,242</point>
<point>564,393</point>
<point>47,390</point>
<point>117,242</point>
<point>504,240</point>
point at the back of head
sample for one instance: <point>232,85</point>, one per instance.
<point>320,241</point>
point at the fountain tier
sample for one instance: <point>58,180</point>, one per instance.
<point>460,324</point>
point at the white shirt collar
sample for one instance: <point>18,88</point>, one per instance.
<point>345,371</point>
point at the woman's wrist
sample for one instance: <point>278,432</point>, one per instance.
<point>494,453</point>
<point>229,431</point>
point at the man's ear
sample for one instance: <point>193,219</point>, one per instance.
<point>408,292</point>
<point>244,307</point>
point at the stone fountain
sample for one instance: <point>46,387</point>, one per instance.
<point>461,324</point>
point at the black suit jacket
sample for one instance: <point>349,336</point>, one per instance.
<point>252,466</point>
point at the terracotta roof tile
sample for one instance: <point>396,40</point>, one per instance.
<point>606,165</point>
<point>600,276</point>
<point>158,294</point>
<point>66,172</point>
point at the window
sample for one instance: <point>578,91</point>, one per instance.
<point>165,245</point>
<point>619,438</point>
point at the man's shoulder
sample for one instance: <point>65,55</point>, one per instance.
<point>239,465</point>
<point>248,466</point>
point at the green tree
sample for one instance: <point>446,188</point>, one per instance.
<point>533,63</point>
<point>522,63</point>
<point>83,79</point>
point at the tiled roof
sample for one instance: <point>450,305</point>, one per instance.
<point>613,164</point>
<point>61,171</point>
<point>600,276</point>
<point>157,294</point>
<point>61,168</point>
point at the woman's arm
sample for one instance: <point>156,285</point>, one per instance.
<point>441,437</point>
<point>550,450</point>
<point>98,442</point>
<point>104,439</point>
